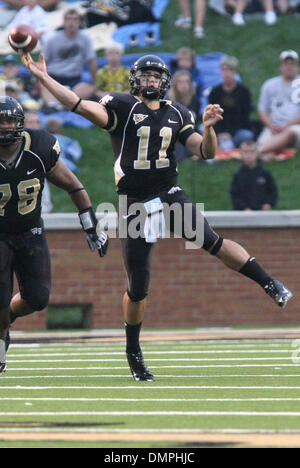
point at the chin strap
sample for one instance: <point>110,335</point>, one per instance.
<point>151,94</point>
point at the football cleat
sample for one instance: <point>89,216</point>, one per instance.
<point>139,370</point>
<point>2,367</point>
<point>277,291</point>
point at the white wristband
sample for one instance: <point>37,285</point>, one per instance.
<point>87,220</point>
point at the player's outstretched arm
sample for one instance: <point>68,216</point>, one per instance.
<point>63,178</point>
<point>206,146</point>
<point>92,111</point>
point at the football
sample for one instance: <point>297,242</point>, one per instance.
<point>22,38</point>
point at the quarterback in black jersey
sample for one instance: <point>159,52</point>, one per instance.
<point>27,157</point>
<point>144,128</point>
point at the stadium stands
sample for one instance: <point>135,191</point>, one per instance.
<point>208,64</point>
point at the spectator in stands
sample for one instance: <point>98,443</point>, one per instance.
<point>230,6</point>
<point>13,90</point>
<point>253,188</point>
<point>288,138</point>
<point>186,60</point>
<point>46,4</point>
<point>11,71</point>
<point>7,13</point>
<point>183,90</point>
<point>32,121</point>
<point>70,149</point>
<point>16,85</point>
<point>185,18</point>
<point>288,6</point>
<point>279,103</point>
<point>270,16</point>
<point>235,99</point>
<point>66,51</point>
<point>33,15</point>
<point>113,77</point>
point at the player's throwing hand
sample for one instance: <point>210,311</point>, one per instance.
<point>39,68</point>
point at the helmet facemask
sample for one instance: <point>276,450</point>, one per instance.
<point>149,91</point>
<point>13,133</point>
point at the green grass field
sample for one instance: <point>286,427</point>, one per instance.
<point>229,387</point>
<point>224,386</point>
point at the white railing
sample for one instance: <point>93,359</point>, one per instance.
<point>217,219</point>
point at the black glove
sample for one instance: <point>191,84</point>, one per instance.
<point>88,222</point>
<point>98,242</point>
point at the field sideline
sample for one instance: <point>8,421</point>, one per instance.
<point>237,389</point>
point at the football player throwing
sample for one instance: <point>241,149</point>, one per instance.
<point>144,128</point>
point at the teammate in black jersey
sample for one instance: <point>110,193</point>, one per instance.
<point>144,129</point>
<point>27,157</point>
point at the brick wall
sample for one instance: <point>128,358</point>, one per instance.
<point>188,288</point>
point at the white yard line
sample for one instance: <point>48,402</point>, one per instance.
<point>149,386</point>
<point>213,366</point>
<point>150,413</point>
<point>166,376</point>
<point>87,368</point>
<point>88,430</point>
<point>147,348</point>
<point>148,353</point>
<point>148,344</point>
<point>186,400</point>
<point>153,431</point>
<point>207,342</point>
<point>154,359</point>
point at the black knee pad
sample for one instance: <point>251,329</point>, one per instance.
<point>217,246</point>
<point>210,236</point>
<point>137,297</point>
<point>38,300</point>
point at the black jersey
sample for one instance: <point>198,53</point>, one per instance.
<point>21,185</point>
<point>143,141</point>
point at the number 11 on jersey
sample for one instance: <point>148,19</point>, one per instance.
<point>144,136</point>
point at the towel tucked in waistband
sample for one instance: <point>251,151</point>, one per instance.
<point>155,225</point>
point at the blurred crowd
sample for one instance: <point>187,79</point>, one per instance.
<point>70,49</point>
